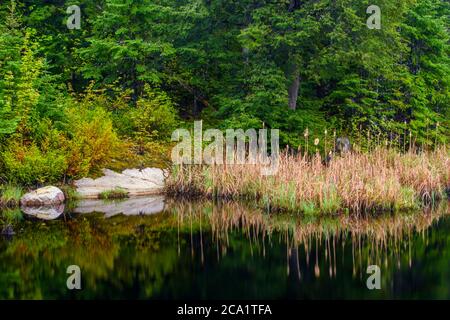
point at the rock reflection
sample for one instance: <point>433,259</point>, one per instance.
<point>50,212</point>
<point>133,206</point>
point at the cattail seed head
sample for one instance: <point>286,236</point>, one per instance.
<point>306,133</point>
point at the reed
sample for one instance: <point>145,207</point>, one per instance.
<point>382,179</point>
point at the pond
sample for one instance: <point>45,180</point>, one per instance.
<point>155,248</point>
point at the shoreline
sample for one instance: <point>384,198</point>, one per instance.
<point>259,202</point>
<point>383,180</point>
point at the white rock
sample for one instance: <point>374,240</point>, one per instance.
<point>134,181</point>
<point>43,197</point>
<point>148,174</point>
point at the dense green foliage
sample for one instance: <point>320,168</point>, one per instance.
<point>72,100</point>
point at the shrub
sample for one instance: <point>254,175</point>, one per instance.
<point>93,140</point>
<point>154,117</point>
<point>28,165</point>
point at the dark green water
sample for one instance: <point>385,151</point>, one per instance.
<point>222,251</point>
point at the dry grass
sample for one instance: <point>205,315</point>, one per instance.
<point>383,179</point>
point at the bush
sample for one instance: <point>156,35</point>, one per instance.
<point>154,117</point>
<point>93,141</point>
<point>28,165</point>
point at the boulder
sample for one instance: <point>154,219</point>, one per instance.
<point>136,182</point>
<point>343,145</point>
<point>43,197</point>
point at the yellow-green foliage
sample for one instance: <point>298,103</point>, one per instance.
<point>20,96</point>
<point>93,141</point>
<point>86,143</point>
<point>154,117</point>
<point>10,195</point>
<point>28,164</point>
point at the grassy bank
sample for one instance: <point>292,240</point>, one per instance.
<point>10,196</point>
<point>383,179</point>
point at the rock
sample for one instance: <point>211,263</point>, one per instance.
<point>49,212</point>
<point>43,197</point>
<point>134,206</point>
<point>136,182</point>
<point>343,145</point>
<point>7,231</point>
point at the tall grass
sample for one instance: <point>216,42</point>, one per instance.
<point>383,179</point>
<point>10,195</point>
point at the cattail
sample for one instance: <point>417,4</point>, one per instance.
<point>436,137</point>
<point>306,133</point>
<point>299,180</point>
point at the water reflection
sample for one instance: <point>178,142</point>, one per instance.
<point>133,206</point>
<point>380,240</point>
<point>50,212</point>
<point>223,250</point>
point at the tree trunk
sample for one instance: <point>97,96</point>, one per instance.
<point>293,90</point>
<point>294,74</point>
<point>197,107</point>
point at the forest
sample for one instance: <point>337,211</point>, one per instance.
<point>110,93</point>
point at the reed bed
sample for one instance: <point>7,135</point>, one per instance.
<point>381,180</point>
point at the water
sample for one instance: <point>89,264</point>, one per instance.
<point>161,249</point>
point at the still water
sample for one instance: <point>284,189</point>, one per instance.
<point>153,248</point>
